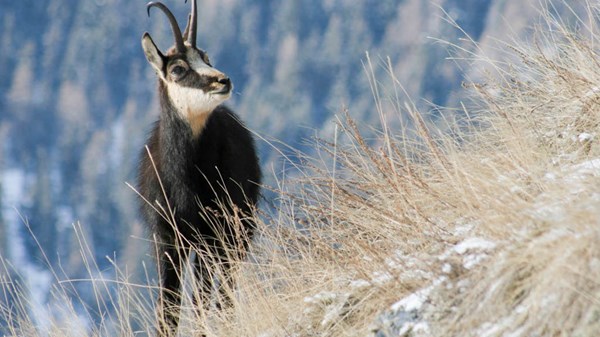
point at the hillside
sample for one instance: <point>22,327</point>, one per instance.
<point>398,219</point>
<point>77,99</point>
<point>75,79</point>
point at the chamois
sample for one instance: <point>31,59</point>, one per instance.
<point>200,163</point>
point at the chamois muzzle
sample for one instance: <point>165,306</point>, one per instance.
<point>225,86</point>
<point>174,26</point>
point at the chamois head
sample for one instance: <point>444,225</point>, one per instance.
<point>193,86</point>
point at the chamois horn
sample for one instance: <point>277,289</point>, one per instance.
<point>193,25</point>
<point>174,26</point>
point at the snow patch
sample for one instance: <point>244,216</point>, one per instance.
<point>591,167</point>
<point>359,284</point>
<point>327,307</point>
<point>382,277</point>
<point>474,243</point>
<point>418,327</point>
<point>413,301</point>
<point>416,300</point>
<point>585,137</point>
<point>474,250</point>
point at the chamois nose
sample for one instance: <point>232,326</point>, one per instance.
<point>225,81</point>
<point>224,84</point>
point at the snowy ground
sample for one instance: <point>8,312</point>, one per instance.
<point>407,317</point>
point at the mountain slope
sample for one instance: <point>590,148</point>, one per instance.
<point>73,77</point>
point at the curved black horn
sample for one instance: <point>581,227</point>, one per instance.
<point>193,25</point>
<point>174,26</point>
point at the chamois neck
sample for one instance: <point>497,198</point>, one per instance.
<point>174,104</point>
<point>176,143</point>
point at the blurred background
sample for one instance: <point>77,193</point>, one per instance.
<point>77,99</point>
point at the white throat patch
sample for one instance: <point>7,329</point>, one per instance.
<point>193,105</point>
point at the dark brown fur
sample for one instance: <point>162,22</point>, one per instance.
<point>217,167</point>
<point>199,168</point>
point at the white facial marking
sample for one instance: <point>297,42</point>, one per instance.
<point>198,65</point>
<point>191,100</point>
<point>193,104</point>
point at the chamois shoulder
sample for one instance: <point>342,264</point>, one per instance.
<point>225,124</point>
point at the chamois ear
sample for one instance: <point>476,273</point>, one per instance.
<point>153,54</point>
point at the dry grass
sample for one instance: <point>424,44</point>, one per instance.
<point>493,223</point>
<point>533,189</point>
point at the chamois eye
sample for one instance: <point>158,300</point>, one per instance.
<point>178,71</point>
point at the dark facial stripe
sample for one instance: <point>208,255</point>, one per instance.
<point>197,81</point>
